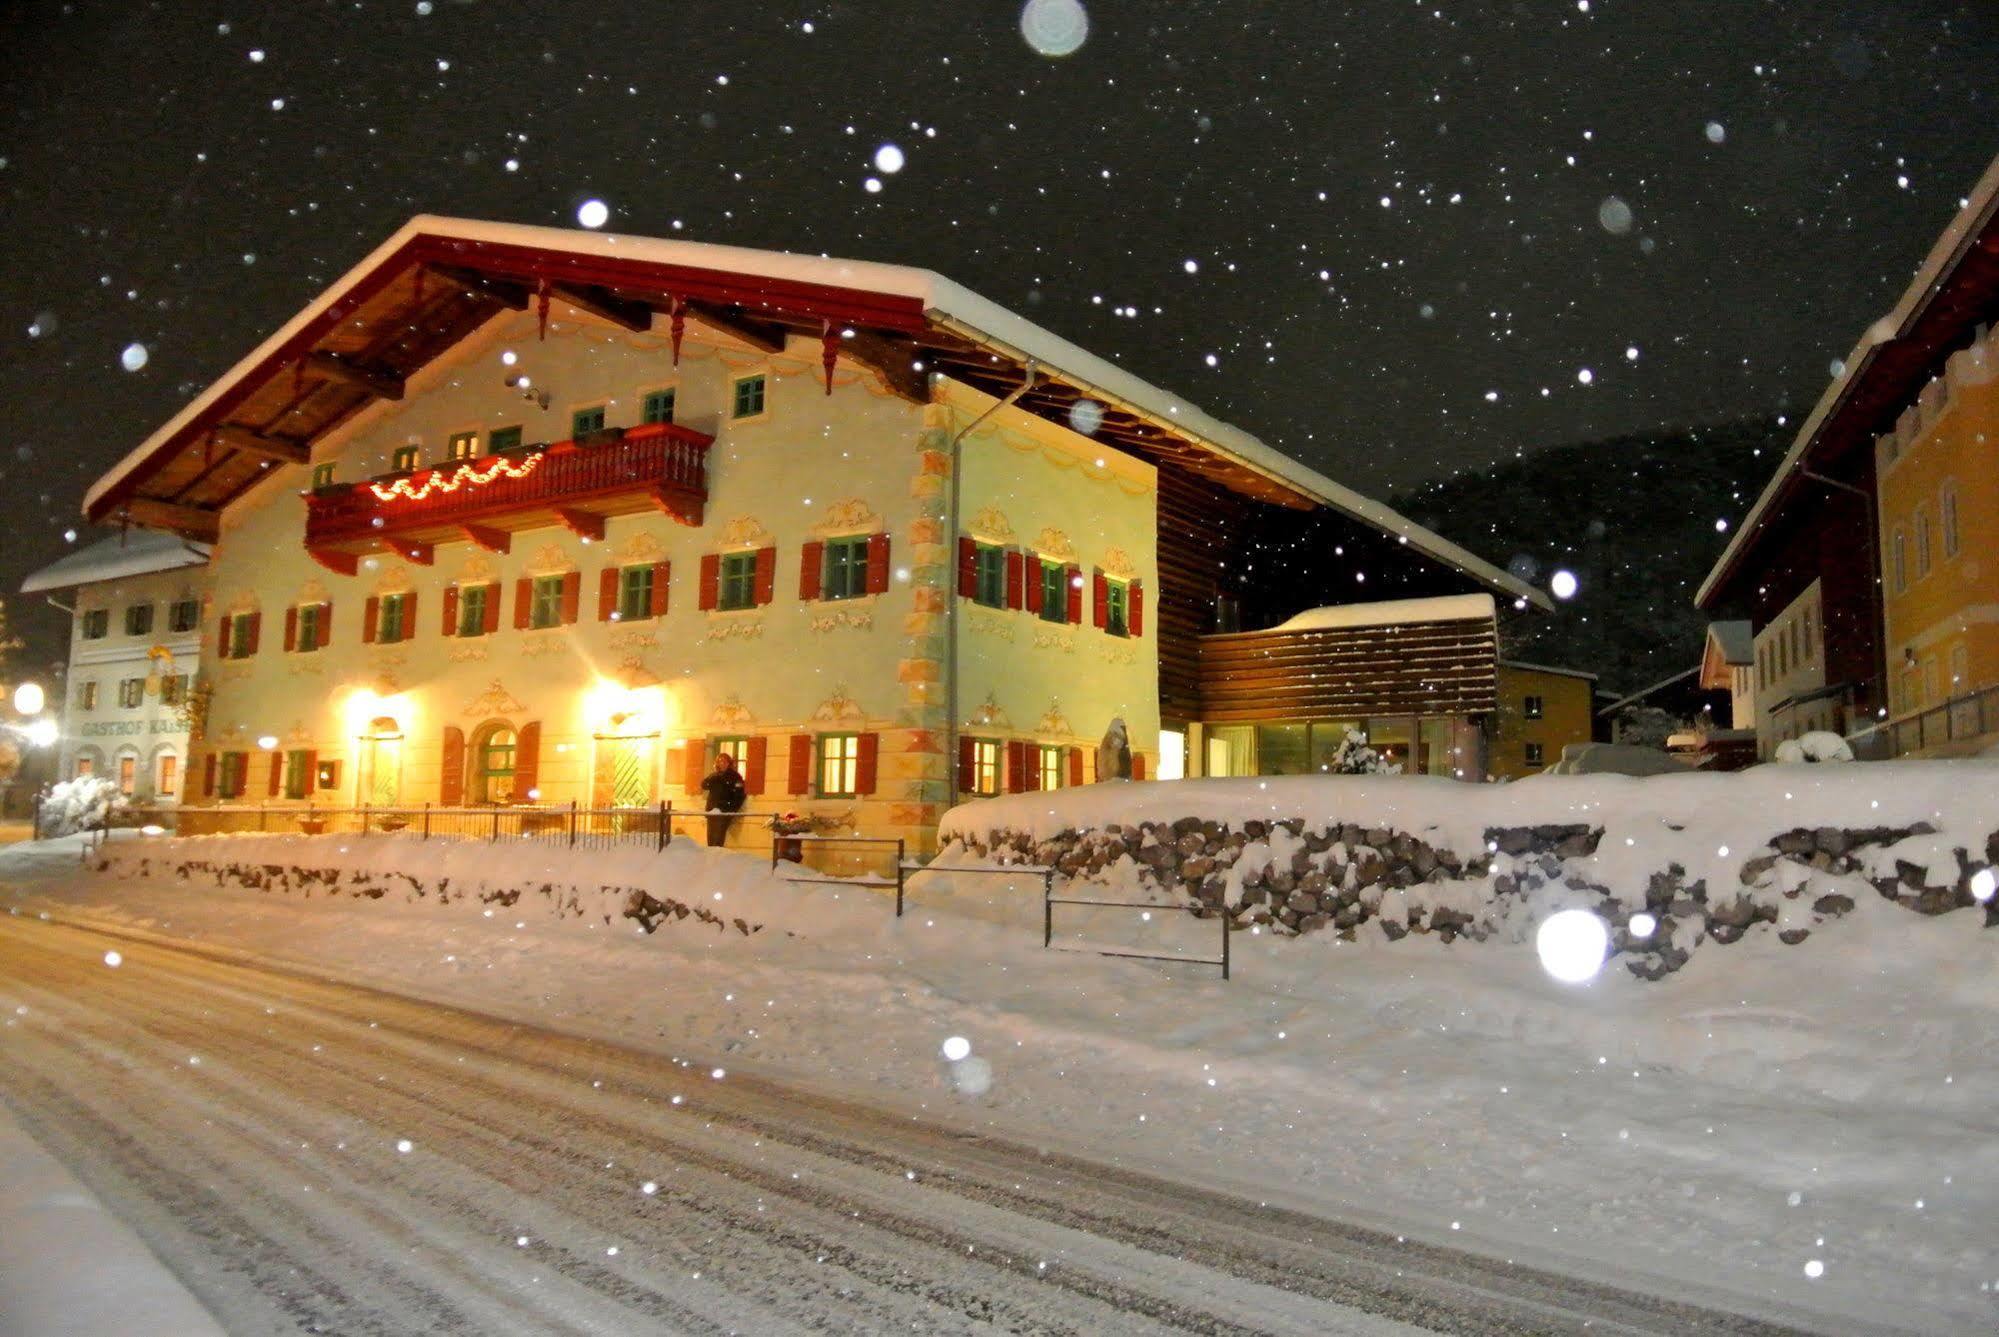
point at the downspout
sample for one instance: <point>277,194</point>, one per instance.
<point>951,534</point>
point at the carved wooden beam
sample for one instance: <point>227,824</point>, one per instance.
<point>513,296</point>
<point>686,507</point>
<point>339,563</point>
<point>602,302</point>
<point>583,524</point>
<point>423,554</point>
<point>381,384</point>
<point>893,359</point>
<point>761,334</point>
<point>189,520</point>
<point>283,450</point>
<point>492,540</point>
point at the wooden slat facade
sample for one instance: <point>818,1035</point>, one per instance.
<point>1425,669</point>
<point>1198,525</point>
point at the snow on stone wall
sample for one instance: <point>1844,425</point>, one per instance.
<point>1669,862</point>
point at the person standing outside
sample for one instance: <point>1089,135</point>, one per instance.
<point>724,792</point>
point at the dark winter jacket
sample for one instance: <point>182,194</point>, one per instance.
<point>724,790</point>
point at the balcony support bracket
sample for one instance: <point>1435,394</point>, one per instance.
<point>492,540</point>
<point>685,508</point>
<point>583,524</point>
<point>339,563</point>
<point>423,554</point>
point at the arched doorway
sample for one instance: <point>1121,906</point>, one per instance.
<point>494,763</point>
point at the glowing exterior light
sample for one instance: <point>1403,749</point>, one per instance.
<point>29,699</point>
<point>465,475</point>
<point>43,733</point>
<point>268,742</point>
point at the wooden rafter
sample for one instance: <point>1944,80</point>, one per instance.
<point>376,381</point>
<point>513,296</point>
<point>282,450</point>
<point>189,520</point>
<point>893,359</point>
<point>762,334</point>
<point>603,303</point>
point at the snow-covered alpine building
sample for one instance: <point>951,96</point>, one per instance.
<point>516,514</point>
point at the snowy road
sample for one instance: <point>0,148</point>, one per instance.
<point>315,1156</point>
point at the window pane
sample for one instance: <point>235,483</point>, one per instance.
<point>1054,594</point>
<point>846,573</point>
<point>990,572</point>
<point>658,407</point>
<point>464,445</point>
<point>749,399</point>
<point>634,593</point>
<point>1114,607</point>
<point>739,574</point>
<point>584,421</point>
<point>471,610</point>
<point>1281,749</point>
<point>547,611</point>
<point>503,439</point>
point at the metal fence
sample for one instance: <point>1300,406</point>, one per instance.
<point>1961,719</point>
<point>1049,900</point>
<point>573,824</point>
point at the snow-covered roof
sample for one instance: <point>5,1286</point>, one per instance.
<point>1392,613</point>
<point>1977,219</point>
<point>944,305</point>
<point>137,552</point>
<point>1734,641</point>
<point>1546,668</point>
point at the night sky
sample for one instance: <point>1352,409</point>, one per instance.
<point>1391,238</point>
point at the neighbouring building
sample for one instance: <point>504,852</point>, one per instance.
<point>128,696</point>
<point>519,515</point>
<point>1728,664</point>
<point>1541,710</point>
<point>1865,568</point>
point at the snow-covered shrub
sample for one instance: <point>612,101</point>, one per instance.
<point>1818,745</point>
<point>79,805</point>
<point>1355,757</point>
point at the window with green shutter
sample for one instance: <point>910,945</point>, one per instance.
<point>846,574</point>
<point>634,593</point>
<point>739,581</point>
<point>472,609</point>
<point>989,569</point>
<point>503,440</point>
<point>1054,592</point>
<point>658,406</point>
<point>749,397</point>
<point>585,421</point>
<point>546,610</point>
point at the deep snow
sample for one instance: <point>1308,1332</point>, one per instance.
<point>1717,1133</point>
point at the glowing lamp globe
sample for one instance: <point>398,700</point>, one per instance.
<point>29,699</point>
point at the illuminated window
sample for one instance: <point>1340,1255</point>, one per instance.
<point>463,445</point>
<point>839,765</point>
<point>493,769</point>
<point>749,397</point>
<point>1533,751</point>
<point>404,459</point>
<point>128,774</point>
<point>985,766</point>
<point>1531,707</point>
<point>322,476</point>
<point>169,775</point>
<point>1051,762</point>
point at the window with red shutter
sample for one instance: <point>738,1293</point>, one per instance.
<point>450,610</point>
<point>868,757</point>
<point>811,570</point>
<point>275,782</point>
<point>492,622</point>
<point>527,761</point>
<point>208,765</point>
<point>1075,766</point>
<point>523,603</point>
<point>1135,612</point>
<point>291,630</point>
<point>711,580</point>
<point>756,756</point>
<point>694,765</point>
<point>968,567</point>
<point>310,780</point>
<point>878,564</point>
<point>572,597</point>
<point>800,777</point>
<point>324,632</point>
<point>451,782</point>
<point>607,593</point>
<point>1072,580</point>
<point>1030,581</point>
<point>968,772</point>
<point>407,631</point>
<point>369,614</point>
<point>1138,765</point>
<point>660,572</point>
<point>1016,767</point>
<point>766,575</point>
<point>1100,599</point>
<point>256,631</point>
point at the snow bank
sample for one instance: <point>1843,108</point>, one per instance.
<point>1670,861</point>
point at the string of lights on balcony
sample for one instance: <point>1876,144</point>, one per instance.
<point>465,475</point>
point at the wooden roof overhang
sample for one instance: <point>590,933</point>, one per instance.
<point>1957,290</point>
<point>396,316</point>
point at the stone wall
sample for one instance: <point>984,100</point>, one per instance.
<point>1292,879</point>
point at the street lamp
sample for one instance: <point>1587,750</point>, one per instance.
<point>29,699</point>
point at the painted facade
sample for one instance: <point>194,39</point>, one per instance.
<point>1541,711</point>
<point>1939,529</point>
<point>133,684</point>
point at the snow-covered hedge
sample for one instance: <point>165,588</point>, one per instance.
<point>1669,861</point>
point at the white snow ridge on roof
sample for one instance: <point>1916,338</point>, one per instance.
<point>137,553</point>
<point>1391,613</point>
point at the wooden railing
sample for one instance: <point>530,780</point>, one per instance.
<point>661,457</point>
<point>1961,719</point>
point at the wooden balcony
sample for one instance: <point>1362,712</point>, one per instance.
<point>659,467</point>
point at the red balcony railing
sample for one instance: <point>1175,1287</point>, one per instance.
<point>660,466</point>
